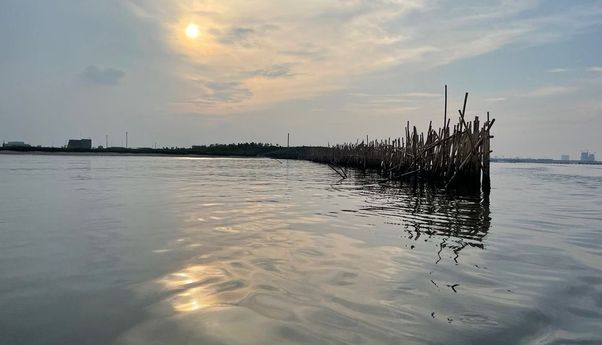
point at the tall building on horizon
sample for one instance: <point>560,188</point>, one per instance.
<point>586,156</point>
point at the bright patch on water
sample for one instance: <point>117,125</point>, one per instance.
<point>156,250</point>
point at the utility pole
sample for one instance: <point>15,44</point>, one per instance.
<point>126,140</point>
<point>288,139</point>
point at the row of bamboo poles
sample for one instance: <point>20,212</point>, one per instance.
<point>455,155</point>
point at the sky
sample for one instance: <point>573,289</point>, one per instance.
<point>325,71</point>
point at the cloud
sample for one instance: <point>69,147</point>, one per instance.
<point>558,70</point>
<point>375,108</point>
<point>422,94</point>
<point>326,45</point>
<point>216,92</point>
<point>496,99</point>
<point>274,71</point>
<point>402,102</point>
<point>102,75</point>
<point>230,92</point>
<point>235,35</point>
<point>595,69</point>
<point>550,90</point>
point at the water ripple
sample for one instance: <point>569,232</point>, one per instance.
<point>156,250</point>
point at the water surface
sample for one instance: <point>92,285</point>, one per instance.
<point>164,250</point>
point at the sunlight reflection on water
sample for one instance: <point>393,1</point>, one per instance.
<point>244,251</point>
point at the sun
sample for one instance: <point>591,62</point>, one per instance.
<point>192,30</point>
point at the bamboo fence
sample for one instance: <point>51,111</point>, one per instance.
<point>455,155</point>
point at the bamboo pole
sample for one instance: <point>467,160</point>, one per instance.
<point>454,154</point>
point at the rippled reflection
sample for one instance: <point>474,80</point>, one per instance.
<point>157,250</point>
<point>299,287</point>
<point>199,284</point>
<point>268,279</point>
<point>455,221</point>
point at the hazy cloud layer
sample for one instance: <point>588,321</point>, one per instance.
<point>102,75</point>
<point>263,68</point>
<point>323,44</point>
<point>227,92</point>
<point>550,90</point>
<point>274,71</point>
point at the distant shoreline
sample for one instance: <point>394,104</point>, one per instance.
<point>542,161</point>
<point>117,154</point>
<point>221,150</point>
<point>218,151</point>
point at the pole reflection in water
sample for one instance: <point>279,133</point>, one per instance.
<point>162,250</point>
<point>455,220</point>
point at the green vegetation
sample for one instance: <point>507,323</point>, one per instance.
<point>241,149</point>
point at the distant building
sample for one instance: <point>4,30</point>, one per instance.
<point>565,158</point>
<point>85,144</point>
<point>587,157</point>
<point>15,144</point>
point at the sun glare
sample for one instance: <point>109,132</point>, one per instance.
<point>192,30</point>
